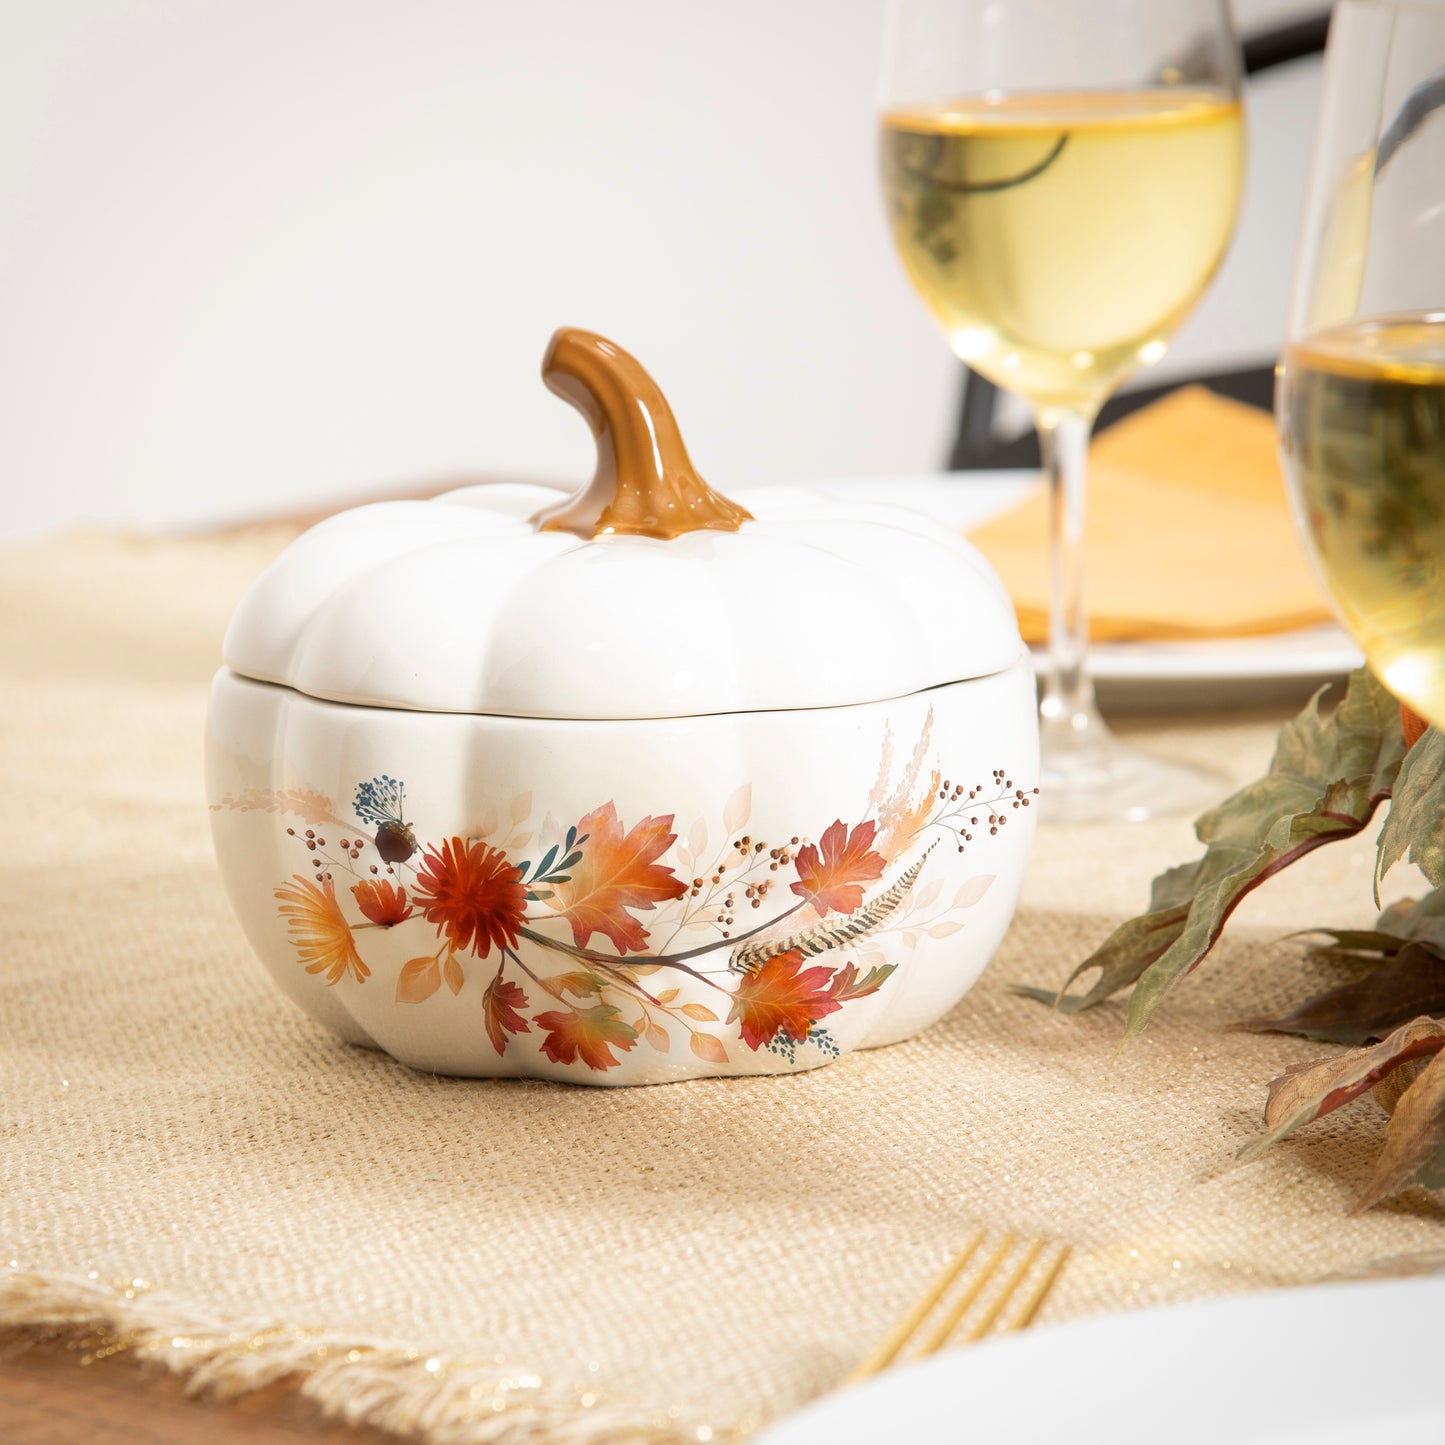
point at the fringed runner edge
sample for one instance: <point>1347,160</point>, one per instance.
<point>432,1398</point>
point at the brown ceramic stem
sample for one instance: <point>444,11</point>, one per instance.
<point>645,484</point>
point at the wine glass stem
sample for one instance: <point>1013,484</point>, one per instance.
<point>1067,709</point>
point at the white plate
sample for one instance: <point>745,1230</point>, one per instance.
<point>1227,672</point>
<point>1324,1365</point>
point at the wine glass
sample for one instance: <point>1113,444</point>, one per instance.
<point>1361,394</point>
<point>1062,178</point>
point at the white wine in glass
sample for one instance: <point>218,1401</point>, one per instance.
<point>1062,179</point>
<point>1361,396</point>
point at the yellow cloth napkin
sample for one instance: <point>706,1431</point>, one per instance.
<point>1188,532</point>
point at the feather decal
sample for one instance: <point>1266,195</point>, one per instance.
<point>828,934</point>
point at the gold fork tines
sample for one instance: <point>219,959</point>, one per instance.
<point>911,1325</point>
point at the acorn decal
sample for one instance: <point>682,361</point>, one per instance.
<point>382,802</point>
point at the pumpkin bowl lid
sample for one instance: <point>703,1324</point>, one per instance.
<point>646,595</point>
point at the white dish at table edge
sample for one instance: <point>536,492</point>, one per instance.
<point>1314,1365</point>
<point>1223,672</point>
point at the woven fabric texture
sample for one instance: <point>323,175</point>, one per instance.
<point>672,1262</point>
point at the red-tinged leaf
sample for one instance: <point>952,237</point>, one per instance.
<point>832,872</point>
<point>706,1046</point>
<point>588,1034</point>
<point>699,1012</point>
<point>382,902</point>
<point>617,872</point>
<point>1310,1090</point>
<point>1326,779</point>
<point>452,973</point>
<point>781,996</point>
<point>1414,1151</point>
<point>501,1007</point>
<point>419,979</point>
<point>1408,984</point>
<point>1391,1089</point>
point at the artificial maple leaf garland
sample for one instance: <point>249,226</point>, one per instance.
<point>1328,776</point>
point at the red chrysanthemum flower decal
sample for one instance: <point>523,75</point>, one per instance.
<point>831,873</point>
<point>473,895</point>
<point>382,902</point>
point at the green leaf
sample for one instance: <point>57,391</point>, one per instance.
<point>845,985</point>
<point>1419,920</point>
<point>1415,828</point>
<point>1408,984</point>
<point>1412,920</point>
<point>1327,777</point>
<point>1349,941</point>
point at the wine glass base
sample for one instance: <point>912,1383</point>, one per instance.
<point>1103,781</point>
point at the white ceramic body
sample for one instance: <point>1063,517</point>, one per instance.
<point>875,795</point>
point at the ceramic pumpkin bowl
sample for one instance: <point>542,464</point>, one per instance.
<point>631,786</point>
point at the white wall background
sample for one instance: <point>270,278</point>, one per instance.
<point>259,253</point>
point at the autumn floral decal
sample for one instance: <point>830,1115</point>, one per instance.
<point>610,933</point>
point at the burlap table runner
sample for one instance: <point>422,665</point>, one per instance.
<point>192,1164</point>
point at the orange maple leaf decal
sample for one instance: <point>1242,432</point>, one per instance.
<point>781,995</point>
<point>831,874</point>
<point>615,873</point>
<point>499,1008</point>
<point>589,1034</point>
